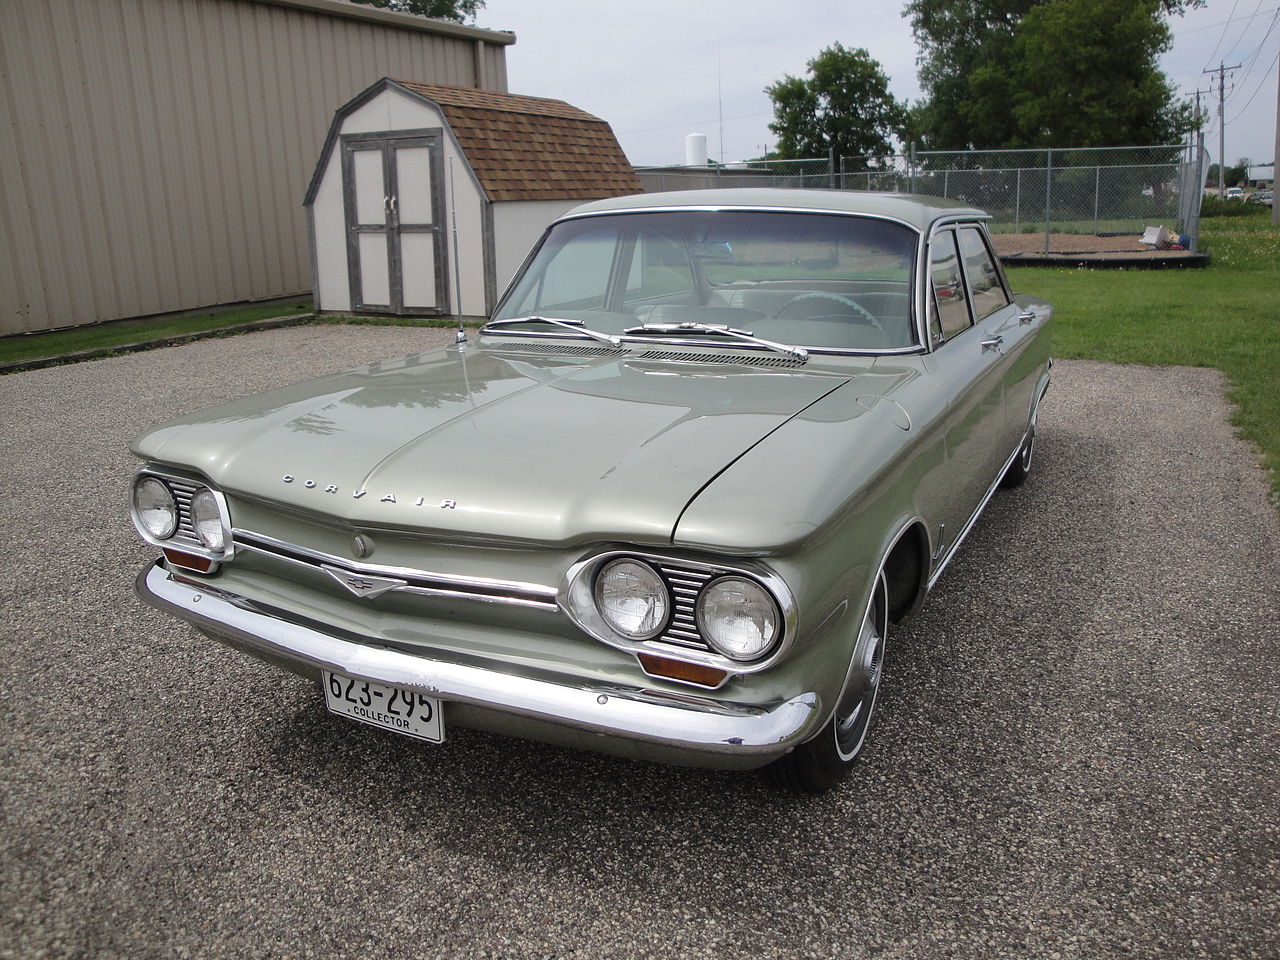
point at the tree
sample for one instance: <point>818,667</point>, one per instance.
<point>843,105</point>
<point>458,10</point>
<point>1020,73</point>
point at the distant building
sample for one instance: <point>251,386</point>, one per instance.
<point>1262,175</point>
<point>154,154</point>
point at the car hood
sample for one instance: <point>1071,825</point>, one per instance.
<point>483,443</point>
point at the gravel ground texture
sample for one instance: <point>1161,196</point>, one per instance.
<point>1076,753</point>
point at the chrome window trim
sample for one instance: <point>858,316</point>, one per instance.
<point>511,592</point>
<point>924,290</point>
<point>181,541</point>
<point>576,601</point>
<point>738,208</point>
<point>919,347</point>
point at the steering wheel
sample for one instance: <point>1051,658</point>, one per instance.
<point>861,313</point>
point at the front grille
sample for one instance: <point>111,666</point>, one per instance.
<point>183,492</point>
<point>422,582</point>
<point>685,584</point>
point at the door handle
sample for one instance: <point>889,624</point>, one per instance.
<point>386,205</point>
<point>394,200</point>
<point>993,343</point>
<point>1027,316</point>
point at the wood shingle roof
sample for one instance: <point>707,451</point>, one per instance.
<point>532,148</point>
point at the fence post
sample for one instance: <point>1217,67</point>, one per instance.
<point>1017,203</point>
<point>831,167</point>
<point>1048,196</point>
<point>946,183</point>
<point>911,167</point>
<point>1097,187</point>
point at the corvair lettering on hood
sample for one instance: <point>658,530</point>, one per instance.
<point>445,504</point>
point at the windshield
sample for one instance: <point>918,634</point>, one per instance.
<point>810,279</point>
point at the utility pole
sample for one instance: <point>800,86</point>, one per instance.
<point>1221,71</point>
<point>1275,157</point>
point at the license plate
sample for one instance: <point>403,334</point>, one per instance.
<point>379,705</point>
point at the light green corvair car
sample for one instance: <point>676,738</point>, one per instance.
<point>666,504</point>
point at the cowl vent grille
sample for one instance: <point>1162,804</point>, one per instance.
<point>751,360</point>
<point>552,350</point>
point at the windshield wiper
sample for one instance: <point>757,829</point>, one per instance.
<point>689,326</point>
<point>577,326</point>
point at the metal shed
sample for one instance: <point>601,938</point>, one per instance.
<point>152,152</point>
<point>426,197</point>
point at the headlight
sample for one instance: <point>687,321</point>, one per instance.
<point>738,617</point>
<point>206,517</point>
<point>632,599</point>
<point>155,507</point>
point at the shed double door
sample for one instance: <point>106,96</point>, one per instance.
<point>395,213</point>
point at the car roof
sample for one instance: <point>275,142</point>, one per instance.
<point>918,210</point>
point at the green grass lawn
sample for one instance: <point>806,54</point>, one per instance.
<point>1225,316</point>
<point>120,332</point>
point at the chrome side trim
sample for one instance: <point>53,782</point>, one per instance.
<point>423,582</point>
<point>696,725</point>
<point>995,485</point>
<point>982,505</point>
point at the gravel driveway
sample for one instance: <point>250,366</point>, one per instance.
<point>1077,753</point>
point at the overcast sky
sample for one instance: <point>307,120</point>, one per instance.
<point>660,69</point>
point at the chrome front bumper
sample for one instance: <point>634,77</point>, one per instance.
<point>630,721</point>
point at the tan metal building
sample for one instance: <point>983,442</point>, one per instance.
<point>154,153</point>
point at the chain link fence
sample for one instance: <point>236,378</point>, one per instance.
<point>1098,191</point>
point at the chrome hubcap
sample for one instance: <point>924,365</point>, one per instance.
<point>858,699</point>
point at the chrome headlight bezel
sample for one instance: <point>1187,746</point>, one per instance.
<point>185,489</point>
<point>577,600</point>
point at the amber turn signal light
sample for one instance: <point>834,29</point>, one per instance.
<point>188,561</point>
<point>679,670</point>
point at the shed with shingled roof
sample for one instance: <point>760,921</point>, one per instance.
<point>427,197</point>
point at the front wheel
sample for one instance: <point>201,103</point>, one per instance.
<point>822,762</point>
<point>1020,469</point>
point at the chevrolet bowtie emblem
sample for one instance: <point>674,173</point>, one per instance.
<point>363,584</point>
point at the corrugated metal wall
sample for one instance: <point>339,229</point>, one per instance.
<point>154,154</point>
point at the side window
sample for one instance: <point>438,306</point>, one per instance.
<point>659,268</point>
<point>948,291</point>
<point>980,271</point>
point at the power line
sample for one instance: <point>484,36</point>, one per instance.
<point>1223,35</point>
<point>1210,26</point>
<point>1252,59</point>
<point>1265,77</point>
<point>1243,31</point>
